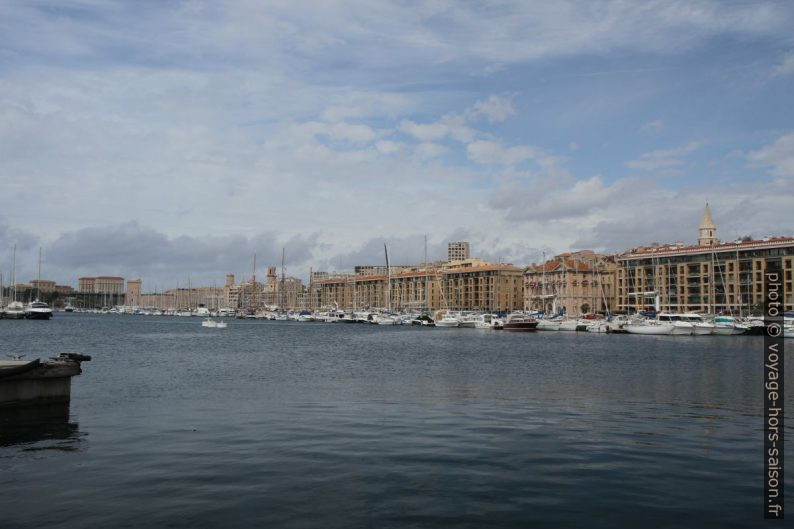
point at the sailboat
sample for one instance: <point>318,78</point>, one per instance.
<point>36,309</point>
<point>388,318</point>
<point>15,309</point>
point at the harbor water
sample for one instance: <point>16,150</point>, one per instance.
<point>298,425</point>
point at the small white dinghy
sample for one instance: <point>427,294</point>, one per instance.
<point>212,324</point>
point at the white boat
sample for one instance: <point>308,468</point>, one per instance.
<point>220,325</point>
<point>701,327</point>
<point>388,319</point>
<point>568,325</point>
<point>468,320</point>
<point>600,326</point>
<point>485,321</point>
<point>649,327</point>
<point>727,325</point>
<point>549,325</point>
<point>210,323</point>
<point>37,310</point>
<point>680,326</point>
<point>14,311</point>
<point>449,320</point>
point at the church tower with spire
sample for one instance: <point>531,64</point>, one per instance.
<point>707,232</point>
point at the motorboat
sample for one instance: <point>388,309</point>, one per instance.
<point>469,320</point>
<point>520,322</point>
<point>727,325</point>
<point>210,323</point>
<point>38,310</point>
<point>486,321</point>
<point>449,320</point>
<point>389,319</point>
<point>700,326</point>
<point>680,325</point>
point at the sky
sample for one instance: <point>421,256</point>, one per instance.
<point>172,140</point>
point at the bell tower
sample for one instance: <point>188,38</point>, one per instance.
<point>707,232</point>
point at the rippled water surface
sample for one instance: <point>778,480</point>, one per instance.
<point>282,424</point>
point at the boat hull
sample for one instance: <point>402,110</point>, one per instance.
<point>568,325</point>
<point>38,315</point>
<point>544,325</point>
<point>660,330</point>
<point>524,326</point>
<point>727,331</point>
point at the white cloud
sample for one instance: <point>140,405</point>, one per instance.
<point>488,152</point>
<point>494,109</point>
<point>786,67</point>
<point>430,150</point>
<point>652,125</point>
<point>778,156</point>
<point>663,158</point>
<point>424,132</point>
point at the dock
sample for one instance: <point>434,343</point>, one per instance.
<point>24,382</point>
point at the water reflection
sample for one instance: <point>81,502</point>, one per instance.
<point>45,427</point>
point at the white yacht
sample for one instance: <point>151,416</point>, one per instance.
<point>680,326</point>
<point>38,310</point>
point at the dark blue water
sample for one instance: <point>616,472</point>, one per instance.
<point>282,424</point>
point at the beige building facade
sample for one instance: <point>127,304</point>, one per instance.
<point>496,287</point>
<point>712,276</point>
<point>573,283</point>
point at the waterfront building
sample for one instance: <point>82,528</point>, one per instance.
<point>101,285</point>
<point>457,251</point>
<point>572,283</point>
<point>496,287</point>
<point>86,284</point>
<point>133,297</point>
<point>43,285</point>
<point>711,276</point>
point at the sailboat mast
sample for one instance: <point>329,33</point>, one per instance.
<point>38,284</point>
<point>253,284</point>
<point>14,273</point>
<point>427,293</point>
<point>388,279</point>
<point>283,292</point>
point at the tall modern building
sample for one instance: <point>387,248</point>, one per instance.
<point>458,251</point>
<point>711,276</point>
